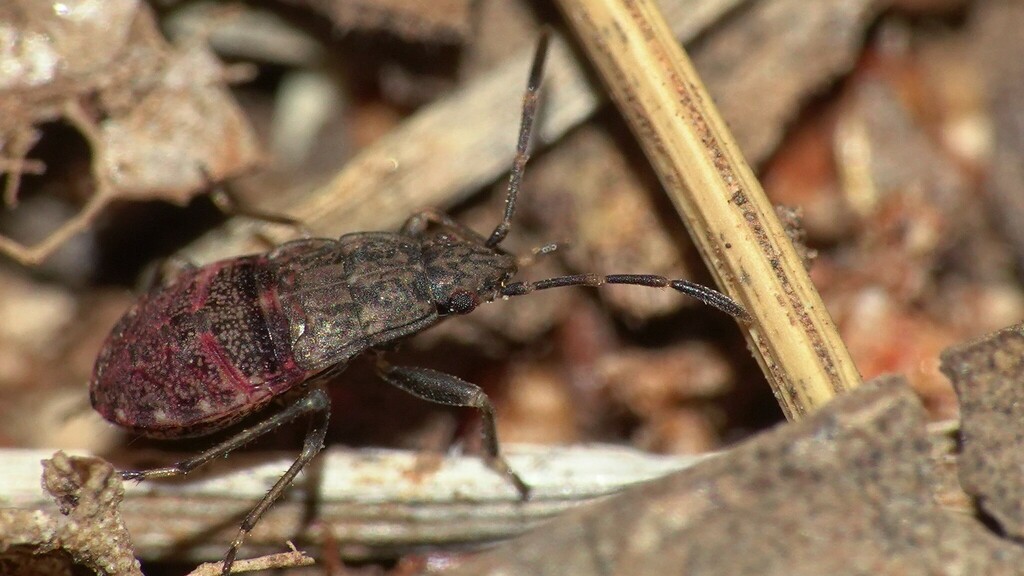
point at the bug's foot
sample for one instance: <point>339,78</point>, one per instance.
<point>523,488</point>
<point>229,558</point>
<point>136,475</point>
<point>501,467</point>
<point>229,561</point>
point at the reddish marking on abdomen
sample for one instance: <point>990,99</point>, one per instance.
<point>202,283</point>
<point>213,352</point>
<point>273,315</point>
<point>277,326</point>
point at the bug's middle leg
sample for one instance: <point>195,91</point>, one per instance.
<point>418,223</point>
<point>315,401</point>
<point>442,388</point>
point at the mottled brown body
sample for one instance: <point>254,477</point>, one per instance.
<point>341,297</point>
<point>218,342</point>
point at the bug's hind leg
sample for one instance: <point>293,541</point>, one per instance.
<point>168,269</point>
<point>229,204</point>
<point>315,403</point>
<point>442,388</point>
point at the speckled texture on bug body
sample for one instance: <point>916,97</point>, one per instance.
<point>219,342</point>
<point>344,296</point>
<point>188,356</point>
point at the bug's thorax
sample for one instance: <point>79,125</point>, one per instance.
<point>464,272</point>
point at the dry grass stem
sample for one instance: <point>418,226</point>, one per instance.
<point>655,85</point>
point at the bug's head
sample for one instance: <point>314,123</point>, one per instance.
<point>464,272</point>
<point>466,269</point>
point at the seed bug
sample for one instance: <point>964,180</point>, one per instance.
<point>217,343</point>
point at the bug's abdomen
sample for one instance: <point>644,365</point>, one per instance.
<point>197,354</point>
<point>344,296</point>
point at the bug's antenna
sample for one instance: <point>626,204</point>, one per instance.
<point>708,296</point>
<point>525,128</point>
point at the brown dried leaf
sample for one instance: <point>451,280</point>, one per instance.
<point>159,121</point>
<point>182,132</point>
<point>647,381</point>
<point>446,21</point>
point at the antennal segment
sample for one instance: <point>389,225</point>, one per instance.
<point>525,129</point>
<point>708,296</point>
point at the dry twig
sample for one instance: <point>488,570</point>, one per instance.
<point>732,222</point>
<point>374,502</point>
<point>88,528</point>
<point>269,562</point>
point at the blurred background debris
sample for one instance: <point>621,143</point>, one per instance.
<point>891,132</point>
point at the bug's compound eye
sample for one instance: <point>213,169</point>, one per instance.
<point>461,302</point>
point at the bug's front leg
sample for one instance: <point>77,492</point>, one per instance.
<point>442,388</point>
